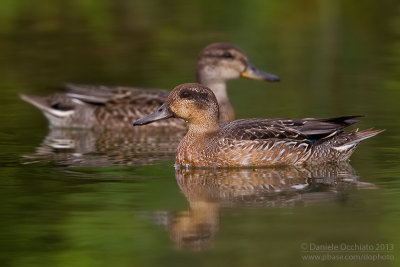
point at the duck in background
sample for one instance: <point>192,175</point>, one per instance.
<point>88,106</point>
<point>252,142</point>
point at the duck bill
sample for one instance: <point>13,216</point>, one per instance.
<point>252,72</point>
<point>161,113</point>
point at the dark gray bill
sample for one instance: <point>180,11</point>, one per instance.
<point>162,112</point>
<point>251,72</point>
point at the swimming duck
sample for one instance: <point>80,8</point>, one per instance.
<point>252,142</point>
<point>87,106</point>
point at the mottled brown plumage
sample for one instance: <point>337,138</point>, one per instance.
<point>252,142</point>
<point>116,107</point>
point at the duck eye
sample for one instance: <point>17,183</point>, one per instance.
<point>185,94</point>
<point>55,105</point>
<point>227,54</point>
<point>60,106</point>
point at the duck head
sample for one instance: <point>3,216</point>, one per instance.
<point>64,111</point>
<point>219,62</point>
<point>193,102</point>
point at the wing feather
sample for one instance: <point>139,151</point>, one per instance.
<point>260,129</point>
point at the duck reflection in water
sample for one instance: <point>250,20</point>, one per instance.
<point>83,148</point>
<point>209,190</point>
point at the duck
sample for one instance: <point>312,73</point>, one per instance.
<point>252,142</point>
<point>92,106</point>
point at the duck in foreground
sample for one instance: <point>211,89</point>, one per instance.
<point>252,142</point>
<point>88,106</point>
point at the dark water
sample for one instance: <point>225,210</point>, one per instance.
<point>76,198</point>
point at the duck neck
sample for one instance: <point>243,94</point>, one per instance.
<point>203,128</point>
<point>219,89</point>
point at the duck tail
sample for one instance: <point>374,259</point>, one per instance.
<point>340,139</point>
<point>358,136</point>
<point>341,146</point>
<point>40,102</point>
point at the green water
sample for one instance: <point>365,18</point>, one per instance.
<point>105,202</point>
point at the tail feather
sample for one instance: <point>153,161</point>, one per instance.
<point>39,102</point>
<point>360,136</point>
<point>341,146</point>
<point>57,105</point>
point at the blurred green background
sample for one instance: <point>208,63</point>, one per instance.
<point>333,57</point>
